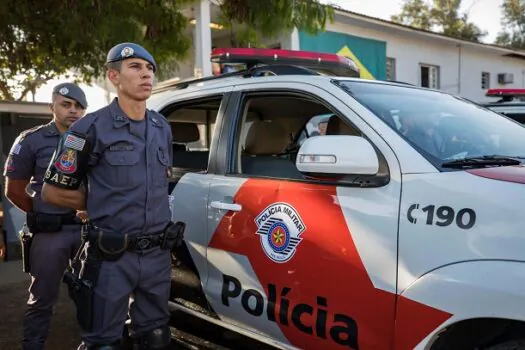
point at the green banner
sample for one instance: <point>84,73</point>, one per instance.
<point>368,54</point>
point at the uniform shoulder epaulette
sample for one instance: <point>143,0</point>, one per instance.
<point>30,131</point>
<point>161,116</point>
<point>84,124</point>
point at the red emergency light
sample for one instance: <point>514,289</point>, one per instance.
<point>325,62</point>
<point>505,92</point>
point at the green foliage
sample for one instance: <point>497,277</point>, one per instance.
<point>416,14</point>
<point>251,20</point>
<point>441,16</point>
<point>513,23</point>
<point>40,40</point>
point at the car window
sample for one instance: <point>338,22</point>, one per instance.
<point>440,126</point>
<point>272,128</point>
<point>315,127</point>
<point>514,112</point>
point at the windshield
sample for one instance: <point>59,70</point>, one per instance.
<point>440,126</point>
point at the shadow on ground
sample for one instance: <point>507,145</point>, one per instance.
<point>64,331</point>
<point>188,332</point>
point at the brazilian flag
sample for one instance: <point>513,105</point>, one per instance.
<point>368,54</point>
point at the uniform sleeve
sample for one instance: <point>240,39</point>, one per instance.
<point>20,162</point>
<point>70,162</point>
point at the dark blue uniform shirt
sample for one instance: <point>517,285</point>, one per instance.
<point>128,170</point>
<point>28,160</point>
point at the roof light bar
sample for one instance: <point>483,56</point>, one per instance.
<point>505,92</point>
<point>325,62</point>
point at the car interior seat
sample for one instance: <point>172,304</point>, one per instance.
<point>265,141</point>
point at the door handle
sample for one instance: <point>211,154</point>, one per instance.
<point>226,206</point>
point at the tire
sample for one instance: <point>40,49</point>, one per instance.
<point>510,345</point>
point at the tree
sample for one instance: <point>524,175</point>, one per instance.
<point>513,23</point>
<point>42,40</point>
<point>415,13</point>
<point>251,20</point>
<point>441,16</point>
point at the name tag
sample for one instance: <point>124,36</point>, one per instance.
<point>121,146</point>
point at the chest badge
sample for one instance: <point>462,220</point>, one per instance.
<point>67,162</point>
<point>280,228</point>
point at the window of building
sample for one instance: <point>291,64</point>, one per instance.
<point>390,68</point>
<point>485,80</point>
<point>429,76</point>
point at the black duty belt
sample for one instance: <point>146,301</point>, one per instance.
<point>69,219</point>
<point>42,222</point>
<point>144,242</point>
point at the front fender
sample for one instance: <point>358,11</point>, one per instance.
<point>465,290</point>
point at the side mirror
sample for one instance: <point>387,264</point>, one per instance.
<point>337,154</point>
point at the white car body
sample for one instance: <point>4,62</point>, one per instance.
<point>370,268</point>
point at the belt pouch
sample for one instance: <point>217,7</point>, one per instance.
<point>111,245</point>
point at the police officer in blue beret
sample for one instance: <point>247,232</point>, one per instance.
<point>124,151</point>
<point>53,233</point>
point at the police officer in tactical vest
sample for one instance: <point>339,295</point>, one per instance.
<point>124,151</point>
<point>53,231</point>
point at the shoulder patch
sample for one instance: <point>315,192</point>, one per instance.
<point>16,149</point>
<point>10,164</point>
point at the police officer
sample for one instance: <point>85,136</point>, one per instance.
<point>55,230</point>
<point>125,151</point>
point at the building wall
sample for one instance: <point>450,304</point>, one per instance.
<point>460,69</point>
<point>368,54</point>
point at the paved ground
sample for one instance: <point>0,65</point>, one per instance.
<point>188,332</point>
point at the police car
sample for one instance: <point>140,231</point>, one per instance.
<point>510,103</point>
<point>399,227</point>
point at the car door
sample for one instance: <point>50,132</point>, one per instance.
<point>306,262</point>
<point>195,118</point>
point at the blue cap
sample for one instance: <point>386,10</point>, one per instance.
<point>129,50</point>
<point>73,92</point>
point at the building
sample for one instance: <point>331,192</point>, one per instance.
<point>383,50</point>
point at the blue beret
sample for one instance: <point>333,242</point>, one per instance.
<point>71,91</point>
<point>130,50</point>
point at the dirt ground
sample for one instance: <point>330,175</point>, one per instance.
<point>64,330</point>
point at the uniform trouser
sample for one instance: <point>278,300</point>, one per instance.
<point>49,256</point>
<point>139,282</point>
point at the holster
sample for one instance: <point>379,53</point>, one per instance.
<point>81,291</point>
<point>81,285</point>
<point>26,239</point>
<point>111,245</point>
<point>173,235</point>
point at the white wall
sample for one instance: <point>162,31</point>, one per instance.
<point>411,50</point>
<point>476,62</point>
